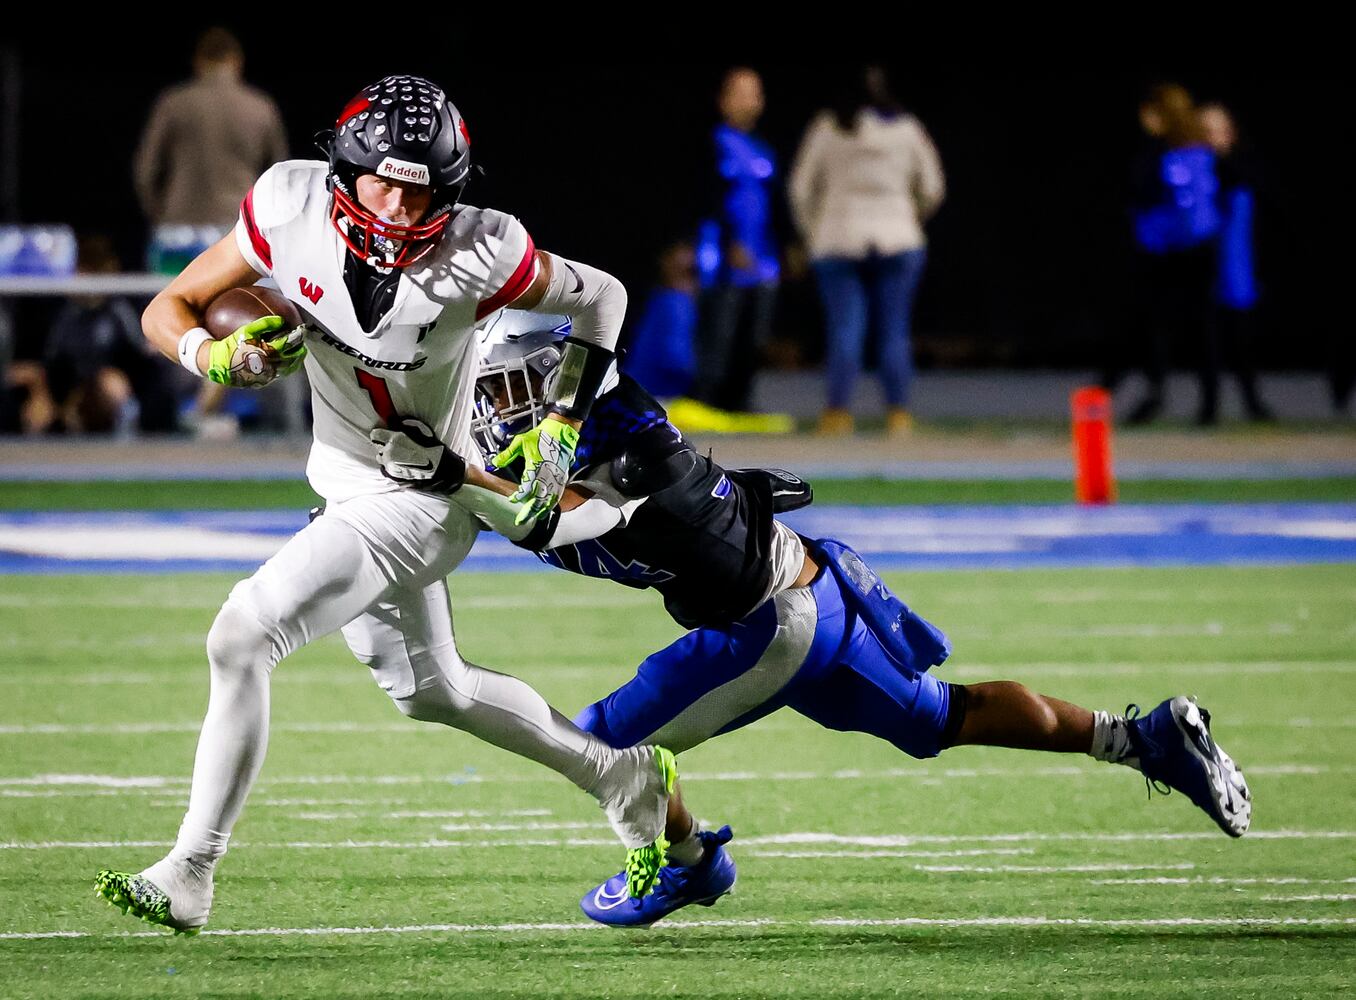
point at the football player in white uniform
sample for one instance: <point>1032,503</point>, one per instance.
<point>392,275</point>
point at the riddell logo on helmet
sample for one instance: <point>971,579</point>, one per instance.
<point>403,170</point>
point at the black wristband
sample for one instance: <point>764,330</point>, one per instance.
<point>583,366</point>
<point>540,535</point>
<point>450,475</point>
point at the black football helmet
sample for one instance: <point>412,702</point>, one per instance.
<point>405,128</point>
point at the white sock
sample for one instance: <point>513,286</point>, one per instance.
<point>1111,740</point>
<point>690,850</point>
<point>234,736</point>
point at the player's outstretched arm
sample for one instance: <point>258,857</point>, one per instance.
<point>580,515</point>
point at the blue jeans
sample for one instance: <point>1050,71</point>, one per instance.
<point>880,289</point>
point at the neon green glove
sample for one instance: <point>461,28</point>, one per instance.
<point>547,451</point>
<point>245,361</point>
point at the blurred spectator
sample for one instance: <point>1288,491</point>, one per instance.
<point>865,179</point>
<point>737,252</point>
<point>1236,287</point>
<point>100,373</point>
<point>205,143</point>
<point>661,356</point>
<point>1175,216</point>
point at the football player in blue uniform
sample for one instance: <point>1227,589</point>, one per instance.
<point>775,620</point>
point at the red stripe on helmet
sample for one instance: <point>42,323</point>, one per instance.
<point>261,247</point>
<point>358,104</point>
<point>514,287</point>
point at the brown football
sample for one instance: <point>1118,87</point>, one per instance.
<point>234,308</point>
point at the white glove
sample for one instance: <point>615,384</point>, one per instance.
<point>410,455</point>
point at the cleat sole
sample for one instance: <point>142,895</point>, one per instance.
<point>116,889</point>
<point>1193,722</point>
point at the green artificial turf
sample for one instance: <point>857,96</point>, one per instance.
<point>456,868</point>
<point>294,493</point>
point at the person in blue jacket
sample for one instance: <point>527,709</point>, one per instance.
<point>738,260</point>
<point>662,353</point>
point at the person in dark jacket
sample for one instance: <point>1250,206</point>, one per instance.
<point>1236,290</point>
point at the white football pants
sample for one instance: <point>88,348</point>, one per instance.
<point>375,566</point>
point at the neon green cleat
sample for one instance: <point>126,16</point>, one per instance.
<point>643,863</point>
<point>139,897</point>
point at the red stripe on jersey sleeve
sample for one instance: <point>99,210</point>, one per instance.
<point>518,283</point>
<point>257,240</point>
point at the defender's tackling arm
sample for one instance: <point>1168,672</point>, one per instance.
<point>596,304</point>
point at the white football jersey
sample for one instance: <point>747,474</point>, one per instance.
<point>420,361</point>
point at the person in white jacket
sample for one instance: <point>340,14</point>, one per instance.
<point>865,179</point>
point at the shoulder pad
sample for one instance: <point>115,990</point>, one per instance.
<point>641,472</point>
<point>787,491</point>
<point>484,228</point>
<point>502,247</point>
<point>281,192</point>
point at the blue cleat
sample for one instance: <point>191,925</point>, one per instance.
<point>1174,748</point>
<point>702,883</point>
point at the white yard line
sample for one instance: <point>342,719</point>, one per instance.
<point>909,840</point>
<point>76,784</point>
<point>461,813</point>
<point>1151,923</point>
<point>759,852</point>
<point>156,603</point>
<point>46,642</point>
<point>510,827</point>
<point>773,840</point>
<point>352,673</point>
<point>1217,880</point>
<point>143,728</point>
<point>1046,869</point>
<point>986,671</point>
<point>178,675</point>
<point>93,780</point>
<point>1339,897</point>
<point>55,793</point>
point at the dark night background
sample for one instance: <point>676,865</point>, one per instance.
<point>1028,255</point>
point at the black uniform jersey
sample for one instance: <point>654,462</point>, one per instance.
<point>702,535</point>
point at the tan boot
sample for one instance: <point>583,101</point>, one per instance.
<point>834,423</point>
<point>898,423</point>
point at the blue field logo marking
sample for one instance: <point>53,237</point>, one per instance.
<point>891,538</point>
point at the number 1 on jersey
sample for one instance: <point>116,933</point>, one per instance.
<point>380,394</point>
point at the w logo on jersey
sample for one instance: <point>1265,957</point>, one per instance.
<point>311,291</point>
<point>591,558</point>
